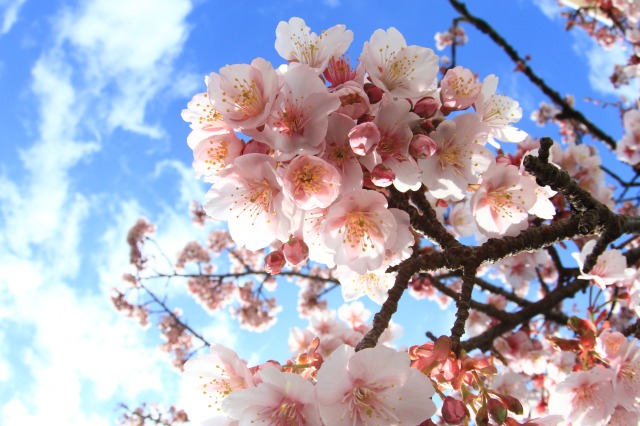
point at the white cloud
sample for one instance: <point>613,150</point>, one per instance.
<point>549,8</point>
<point>129,48</point>
<point>601,66</point>
<point>108,62</point>
<point>9,14</point>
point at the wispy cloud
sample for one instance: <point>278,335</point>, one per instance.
<point>549,8</point>
<point>601,66</point>
<point>128,49</point>
<point>70,351</point>
<point>10,10</point>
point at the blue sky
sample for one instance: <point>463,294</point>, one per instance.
<point>91,139</point>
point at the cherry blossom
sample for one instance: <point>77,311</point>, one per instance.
<point>628,148</point>
<point>298,124</point>
<point>503,199</point>
<point>296,43</point>
<point>213,153</point>
<point>498,111</point>
<point>394,121</point>
<point>459,159</point>
<point>609,268</point>
<point>281,399</point>
<point>373,284</point>
<point>373,386</point>
<point>354,314</point>
<point>209,379</point>
<point>338,152</point>
<point>585,397</point>
<point>403,71</point>
<point>248,194</point>
<point>357,230</point>
<point>310,182</point>
<point>459,89</point>
<point>244,95</point>
<point>201,115</point>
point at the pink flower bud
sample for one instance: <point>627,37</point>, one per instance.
<point>363,138</point>
<point>295,251</point>
<point>382,175</point>
<point>422,146</point>
<point>426,107</point>
<point>373,92</point>
<point>453,410</point>
<point>255,147</point>
<point>274,262</point>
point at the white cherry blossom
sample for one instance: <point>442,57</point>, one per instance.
<point>403,71</point>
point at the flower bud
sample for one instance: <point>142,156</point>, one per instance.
<point>363,138</point>
<point>454,410</point>
<point>382,175</point>
<point>373,92</point>
<point>422,146</point>
<point>274,262</point>
<point>426,107</point>
<point>295,251</point>
<point>255,147</point>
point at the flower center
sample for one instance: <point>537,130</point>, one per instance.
<point>308,178</point>
<point>246,98</point>
<point>358,231</point>
<point>288,413</point>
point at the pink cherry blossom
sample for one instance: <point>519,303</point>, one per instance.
<point>459,89</point>
<point>403,71</point>
<point>214,152</point>
<point>354,102</point>
<point>498,111</point>
<point>609,268</point>
<point>394,122</point>
<point>628,148</point>
<point>523,353</point>
<point>338,152</point>
<point>518,270</point>
<point>296,43</point>
<point>626,381</point>
<point>461,220</point>
<point>340,73</point>
<point>623,417</point>
<point>357,230</point>
<point>299,122</point>
<point>201,115</point>
<point>281,399</point>
<point>354,314</point>
<point>374,284</point>
<point>310,182</point>
<point>459,159</point>
<point>585,397</point>
<point>373,386</point>
<point>211,378</point>
<point>503,199</point>
<point>248,194</point>
<point>245,94</point>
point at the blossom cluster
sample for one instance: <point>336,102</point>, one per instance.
<point>373,386</point>
<point>329,142</point>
